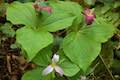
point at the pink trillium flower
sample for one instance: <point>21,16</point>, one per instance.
<point>47,8</point>
<point>38,7</point>
<point>89,16</point>
<point>53,66</point>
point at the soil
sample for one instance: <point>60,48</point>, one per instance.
<point>9,66</point>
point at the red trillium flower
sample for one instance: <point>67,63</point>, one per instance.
<point>89,16</point>
<point>38,7</point>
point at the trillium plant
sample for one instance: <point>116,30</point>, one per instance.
<point>53,66</point>
<point>74,32</point>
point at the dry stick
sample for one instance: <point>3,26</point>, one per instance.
<point>8,64</point>
<point>106,67</point>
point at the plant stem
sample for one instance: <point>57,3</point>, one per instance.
<point>106,67</point>
<point>53,75</point>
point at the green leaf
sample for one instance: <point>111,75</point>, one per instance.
<point>22,13</point>
<point>105,9</point>
<point>57,22</point>
<point>117,4</point>
<point>84,46</point>
<point>13,46</point>
<point>69,68</point>
<point>7,30</point>
<point>90,2</point>
<point>68,7</point>
<point>43,58</point>
<point>34,74</point>
<point>80,49</point>
<point>77,76</point>
<point>100,30</point>
<point>116,66</point>
<point>67,65</point>
<point>33,41</point>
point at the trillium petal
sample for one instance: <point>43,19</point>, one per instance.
<point>55,58</point>
<point>89,16</point>
<point>47,70</point>
<point>86,11</point>
<point>89,19</point>
<point>59,70</point>
<point>47,8</point>
<point>83,78</point>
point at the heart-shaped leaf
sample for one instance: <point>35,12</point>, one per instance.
<point>80,49</point>
<point>84,46</point>
<point>22,13</point>
<point>33,41</point>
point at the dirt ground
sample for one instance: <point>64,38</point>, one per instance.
<point>9,65</point>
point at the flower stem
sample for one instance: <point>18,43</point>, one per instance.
<point>53,75</point>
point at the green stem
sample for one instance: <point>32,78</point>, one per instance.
<point>53,75</point>
<point>106,67</point>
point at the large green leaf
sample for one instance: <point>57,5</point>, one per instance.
<point>69,68</point>
<point>34,74</point>
<point>43,58</point>
<point>81,49</point>
<point>57,22</point>
<point>60,19</point>
<point>22,13</point>
<point>33,41</point>
<point>68,7</point>
<point>84,46</point>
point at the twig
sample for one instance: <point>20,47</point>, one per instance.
<point>8,64</point>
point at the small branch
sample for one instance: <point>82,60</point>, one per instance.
<point>8,59</point>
